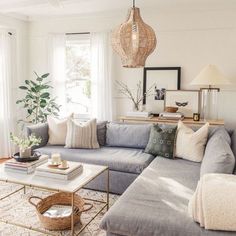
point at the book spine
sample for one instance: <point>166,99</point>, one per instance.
<point>58,171</point>
<point>58,176</point>
<point>22,171</point>
<point>50,175</point>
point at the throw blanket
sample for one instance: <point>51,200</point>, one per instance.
<point>213,203</point>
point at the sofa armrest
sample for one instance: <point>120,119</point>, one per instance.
<point>40,130</point>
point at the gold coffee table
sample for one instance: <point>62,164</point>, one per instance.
<point>89,173</point>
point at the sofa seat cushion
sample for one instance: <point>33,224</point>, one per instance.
<point>157,202</point>
<point>118,159</point>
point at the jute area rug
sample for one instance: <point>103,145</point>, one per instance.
<point>17,209</point>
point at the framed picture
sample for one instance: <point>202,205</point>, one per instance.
<point>156,80</point>
<point>186,100</point>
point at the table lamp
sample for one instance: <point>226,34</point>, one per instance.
<point>210,76</point>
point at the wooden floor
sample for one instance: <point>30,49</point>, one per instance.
<point>3,160</point>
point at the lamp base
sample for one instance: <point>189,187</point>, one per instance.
<point>209,103</point>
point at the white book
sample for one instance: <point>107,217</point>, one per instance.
<point>46,168</point>
<point>20,171</point>
<point>24,167</point>
<point>138,113</point>
<point>170,115</point>
<point>13,162</point>
<point>69,176</point>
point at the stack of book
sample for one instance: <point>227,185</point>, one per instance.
<point>171,116</point>
<point>74,169</point>
<point>24,167</point>
<point>143,114</point>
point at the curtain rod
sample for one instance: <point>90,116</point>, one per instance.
<point>78,33</point>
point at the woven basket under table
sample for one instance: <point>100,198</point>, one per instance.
<point>61,198</point>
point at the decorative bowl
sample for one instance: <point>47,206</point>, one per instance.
<point>171,109</point>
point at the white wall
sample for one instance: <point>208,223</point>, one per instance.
<point>187,39</point>
<point>20,32</point>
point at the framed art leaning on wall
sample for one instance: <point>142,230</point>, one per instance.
<point>187,101</point>
<point>159,79</point>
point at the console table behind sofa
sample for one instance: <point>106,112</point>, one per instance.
<point>129,119</point>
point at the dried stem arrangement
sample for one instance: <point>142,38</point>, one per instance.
<point>136,97</point>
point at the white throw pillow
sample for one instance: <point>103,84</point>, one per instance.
<point>81,135</point>
<point>190,145</point>
<point>57,129</point>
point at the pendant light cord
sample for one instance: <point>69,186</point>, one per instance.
<point>133,3</point>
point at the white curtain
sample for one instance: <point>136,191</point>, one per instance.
<point>6,92</point>
<point>57,64</point>
<point>102,102</point>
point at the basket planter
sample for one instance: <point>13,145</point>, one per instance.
<point>61,198</point>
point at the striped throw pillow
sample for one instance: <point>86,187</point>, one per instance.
<point>81,135</point>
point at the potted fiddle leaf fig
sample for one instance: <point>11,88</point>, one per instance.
<point>38,101</point>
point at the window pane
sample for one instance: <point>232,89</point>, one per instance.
<point>78,83</point>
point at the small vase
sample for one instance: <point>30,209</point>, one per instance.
<point>135,107</point>
<point>25,153</point>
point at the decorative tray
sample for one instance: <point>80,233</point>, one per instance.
<point>34,157</point>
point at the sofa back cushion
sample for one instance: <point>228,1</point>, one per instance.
<point>101,132</point>
<point>128,135</point>
<point>218,157</point>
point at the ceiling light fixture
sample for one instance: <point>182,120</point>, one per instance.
<point>134,40</point>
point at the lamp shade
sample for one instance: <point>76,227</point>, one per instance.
<point>134,40</point>
<point>210,75</point>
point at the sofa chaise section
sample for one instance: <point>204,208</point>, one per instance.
<point>156,203</point>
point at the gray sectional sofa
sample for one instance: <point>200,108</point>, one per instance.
<point>155,191</point>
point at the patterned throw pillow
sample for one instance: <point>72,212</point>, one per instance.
<point>81,135</point>
<point>162,141</point>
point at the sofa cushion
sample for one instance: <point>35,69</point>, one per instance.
<point>81,135</point>
<point>101,132</point>
<point>40,131</point>
<point>128,135</point>
<point>119,159</point>
<point>157,202</point>
<point>218,157</point>
<point>57,129</point>
<point>161,141</point>
<point>190,145</point>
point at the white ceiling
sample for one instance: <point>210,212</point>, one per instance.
<point>32,9</point>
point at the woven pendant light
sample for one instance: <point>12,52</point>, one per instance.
<point>134,40</point>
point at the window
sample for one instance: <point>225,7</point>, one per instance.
<point>78,74</point>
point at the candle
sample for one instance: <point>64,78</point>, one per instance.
<point>56,158</point>
<point>64,163</point>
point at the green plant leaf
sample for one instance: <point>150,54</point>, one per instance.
<point>43,103</point>
<point>45,95</point>
<point>29,111</point>
<point>33,83</point>
<point>45,75</point>
<point>23,87</point>
<point>39,79</point>
<point>27,82</point>
<point>19,101</point>
<point>33,90</point>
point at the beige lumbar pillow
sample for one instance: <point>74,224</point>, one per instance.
<point>190,145</point>
<point>81,135</point>
<point>57,129</point>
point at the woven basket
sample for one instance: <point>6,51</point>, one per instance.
<point>59,223</point>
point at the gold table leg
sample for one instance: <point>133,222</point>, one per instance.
<point>108,183</point>
<point>72,214</point>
